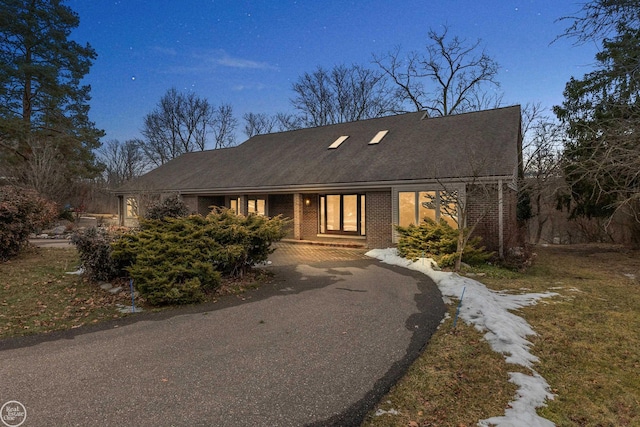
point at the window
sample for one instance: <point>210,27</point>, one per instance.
<point>338,141</point>
<point>378,137</point>
<point>342,214</point>
<point>233,205</point>
<point>257,206</point>
<point>254,205</point>
<point>415,206</point>
<point>132,207</point>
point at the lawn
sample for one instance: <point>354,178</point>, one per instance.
<point>36,294</point>
<point>587,341</point>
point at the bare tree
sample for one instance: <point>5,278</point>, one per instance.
<point>453,77</point>
<point>261,123</point>
<point>258,124</point>
<point>543,176</point>
<point>123,161</point>
<point>342,94</point>
<point>223,126</point>
<point>44,170</point>
<point>182,123</point>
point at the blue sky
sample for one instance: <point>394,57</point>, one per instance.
<point>249,52</point>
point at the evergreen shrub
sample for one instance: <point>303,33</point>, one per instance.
<point>22,212</point>
<point>438,240</point>
<point>177,260</point>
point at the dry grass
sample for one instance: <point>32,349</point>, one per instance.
<point>588,340</point>
<point>37,296</point>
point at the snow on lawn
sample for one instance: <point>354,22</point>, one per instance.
<point>489,312</point>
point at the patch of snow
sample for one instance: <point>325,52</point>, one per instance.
<point>78,272</point>
<point>128,309</point>
<point>381,412</point>
<point>630,276</point>
<point>532,392</point>
<point>490,312</point>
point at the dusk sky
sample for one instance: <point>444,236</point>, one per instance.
<point>248,52</point>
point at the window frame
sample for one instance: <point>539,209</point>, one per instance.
<point>360,214</point>
<point>417,189</point>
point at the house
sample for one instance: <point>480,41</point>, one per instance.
<point>352,182</point>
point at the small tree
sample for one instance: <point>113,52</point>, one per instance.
<point>454,203</point>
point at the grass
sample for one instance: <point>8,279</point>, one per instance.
<point>37,296</point>
<point>587,341</point>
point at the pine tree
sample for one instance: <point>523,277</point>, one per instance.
<point>43,105</point>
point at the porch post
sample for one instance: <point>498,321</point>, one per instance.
<point>243,205</point>
<point>500,220</point>
<point>298,204</point>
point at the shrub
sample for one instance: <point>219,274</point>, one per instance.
<point>171,207</point>
<point>176,260</point>
<point>22,212</point>
<point>245,240</point>
<point>438,240</point>
<point>94,248</point>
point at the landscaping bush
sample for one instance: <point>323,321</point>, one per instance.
<point>94,249</point>
<point>171,207</point>
<point>438,240</point>
<point>176,260</point>
<point>22,212</point>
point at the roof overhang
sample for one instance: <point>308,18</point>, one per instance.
<point>324,187</point>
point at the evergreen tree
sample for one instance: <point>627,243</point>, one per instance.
<point>43,105</point>
<point>601,158</point>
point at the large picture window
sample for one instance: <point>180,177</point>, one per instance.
<point>415,206</point>
<point>342,214</point>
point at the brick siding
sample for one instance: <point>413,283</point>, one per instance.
<point>378,218</point>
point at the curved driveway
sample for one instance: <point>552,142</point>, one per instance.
<point>319,345</point>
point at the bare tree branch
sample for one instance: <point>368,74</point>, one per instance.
<point>453,77</point>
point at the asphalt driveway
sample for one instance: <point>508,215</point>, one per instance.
<point>317,346</point>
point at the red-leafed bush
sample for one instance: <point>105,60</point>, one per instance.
<point>22,212</point>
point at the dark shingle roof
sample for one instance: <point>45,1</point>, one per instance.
<point>484,143</point>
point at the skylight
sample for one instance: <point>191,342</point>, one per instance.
<point>378,137</point>
<point>339,141</point>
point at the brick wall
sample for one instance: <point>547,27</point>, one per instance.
<point>309,217</point>
<point>282,204</point>
<point>483,206</point>
<point>191,202</point>
<point>378,218</point>
<point>205,203</point>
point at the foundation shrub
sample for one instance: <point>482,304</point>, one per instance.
<point>438,240</point>
<point>178,260</point>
